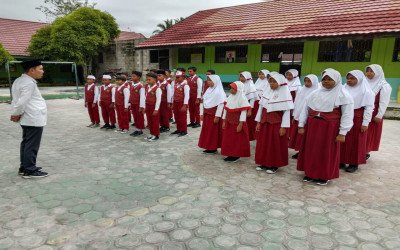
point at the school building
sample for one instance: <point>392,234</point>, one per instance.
<point>281,34</point>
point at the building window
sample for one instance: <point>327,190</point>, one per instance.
<point>345,51</point>
<point>153,56</point>
<point>159,55</point>
<point>100,58</point>
<point>283,52</point>
<point>231,54</point>
<point>191,55</point>
<point>396,51</point>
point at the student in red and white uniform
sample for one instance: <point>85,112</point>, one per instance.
<point>209,72</point>
<point>311,83</point>
<point>260,84</point>
<point>235,138</point>
<point>137,100</point>
<point>293,81</point>
<point>169,81</point>
<point>129,85</point>
<point>166,100</point>
<point>382,91</point>
<point>107,103</point>
<point>273,118</point>
<point>196,85</point>
<point>353,150</point>
<point>91,99</point>
<point>153,100</point>
<point>181,92</point>
<point>325,121</point>
<point>213,105</point>
<point>252,96</point>
<point>122,95</point>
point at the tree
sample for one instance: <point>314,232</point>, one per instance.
<point>76,37</point>
<point>59,8</point>
<point>4,55</point>
<point>167,24</point>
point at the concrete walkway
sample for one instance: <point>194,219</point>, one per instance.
<point>112,191</point>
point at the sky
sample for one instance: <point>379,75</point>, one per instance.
<point>131,15</point>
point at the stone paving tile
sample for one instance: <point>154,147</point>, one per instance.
<point>112,191</point>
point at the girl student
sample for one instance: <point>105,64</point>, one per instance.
<point>251,95</point>
<point>235,138</point>
<point>213,105</point>
<point>382,91</point>
<point>311,83</point>
<point>293,81</point>
<point>324,121</point>
<point>353,150</point>
<point>273,118</point>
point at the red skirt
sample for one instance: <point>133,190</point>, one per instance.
<point>210,135</point>
<point>251,124</point>
<point>271,148</point>
<point>319,155</point>
<point>374,135</point>
<point>295,138</point>
<point>353,150</point>
<point>233,143</point>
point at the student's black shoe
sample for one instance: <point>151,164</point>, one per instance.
<point>367,156</point>
<point>196,125</point>
<point>105,126</point>
<point>174,122</point>
<point>162,129</point>
<point>182,134</point>
<point>171,120</point>
<point>272,170</point>
<point>232,159</point>
<point>153,138</point>
<point>261,168</point>
<point>112,126</point>
<point>351,168</point>
<point>322,182</point>
<point>295,156</point>
<point>308,179</point>
<point>36,174</point>
<point>133,124</point>
<point>22,171</point>
<point>137,133</point>
<point>191,124</point>
<point>342,166</point>
<point>209,152</point>
<point>176,132</point>
<point>227,158</point>
<point>166,129</point>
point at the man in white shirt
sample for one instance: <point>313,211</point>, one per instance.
<point>29,109</point>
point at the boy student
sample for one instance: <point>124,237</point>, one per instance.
<point>91,98</point>
<point>208,73</point>
<point>153,100</point>
<point>137,100</point>
<point>181,99</point>
<point>129,84</point>
<point>122,104</point>
<point>196,85</point>
<point>166,100</point>
<point>107,101</point>
<point>169,81</point>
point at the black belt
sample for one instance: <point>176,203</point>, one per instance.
<point>318,117</point>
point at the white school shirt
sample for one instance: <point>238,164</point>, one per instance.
<point>368,110</point>
<point>158,96</point>
<point>218,113</point>
<point>169,91</point>
<point>112,92</point>
<point>127,94</point>
<point>96,92</point>
<point>28,102</point>
<point>384,100</point>
<point>186,90</point>
<point>285,117</point>
<point>346,120</point>
<point>142,93</point>
<point>199,85</point>
<point>243,115</point>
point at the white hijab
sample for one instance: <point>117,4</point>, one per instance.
<point>362,93</point>
<point>379,80</point>
<point>302,95</point>
<point>277,99</point>
<point>214,95</point>
<point>249,87</point>
<point>295,83</point>
<point>237,102</point>
<point>325,100</point>
<point>262,84</point>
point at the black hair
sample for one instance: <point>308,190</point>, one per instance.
<point>161,72</point>
<point>124,73</point>
<point>193,68</point>
<point>120,78</point>
<point>139,74</point>
<point>181,69</point>
<point>151,75</point>
<point>211,71</point>
<point>169,71</point>
<point>153,70</point>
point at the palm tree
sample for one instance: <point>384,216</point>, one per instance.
<point>166,24</point>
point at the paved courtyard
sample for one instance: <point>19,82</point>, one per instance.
<point>112,191</point>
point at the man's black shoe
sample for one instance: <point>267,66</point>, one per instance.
<point>105,126</point>
<point>182,134</point>
<point>36,174</point>
<point>22,171</point>
<point>176,132</point>
<point>209,152</point>
<point>112,126</point>
<point>191,124</point>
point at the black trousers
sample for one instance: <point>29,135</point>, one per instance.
<point>31,137</point>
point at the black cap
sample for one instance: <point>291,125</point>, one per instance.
<point>31,63</point>
<point>161,72</point>
<point>120,78</point>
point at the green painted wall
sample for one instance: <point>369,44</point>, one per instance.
<point>382,52</point>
